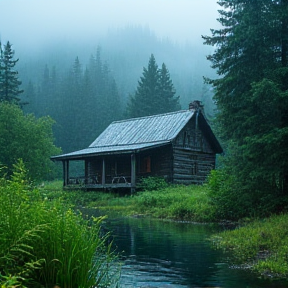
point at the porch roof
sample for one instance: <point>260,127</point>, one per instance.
<point>107,150</point>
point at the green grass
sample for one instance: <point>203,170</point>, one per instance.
<point>44,242</point>
<point>262,245</point>
<point>186,203</point>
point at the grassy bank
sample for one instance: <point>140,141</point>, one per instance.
<point>261,246</point>
<point>186,203</point>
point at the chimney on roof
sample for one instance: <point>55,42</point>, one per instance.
<point>195,105</point>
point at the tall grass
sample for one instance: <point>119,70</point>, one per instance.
<point>46,243</point>
<point>187,203</point>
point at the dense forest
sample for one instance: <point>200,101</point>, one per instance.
<point>84,87</point>
<point>251,93</point>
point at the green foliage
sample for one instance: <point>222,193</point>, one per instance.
<point>155,93</point>
<point>252,100</point>
<point>260,245</point>
<point>47,243</point>
<point>152,183</point>
<point>27,138</point>
<point>233,198</point>
<point>189,203</point>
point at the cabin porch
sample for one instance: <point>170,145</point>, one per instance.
<point>100,172</point>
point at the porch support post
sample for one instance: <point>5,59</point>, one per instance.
<point>133,173</point>
<point>86,171</point>
<point>103,172</point>
<point>65,172</point>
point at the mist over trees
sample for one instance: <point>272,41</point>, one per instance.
<point>82,101</point>
<point>85,86</point>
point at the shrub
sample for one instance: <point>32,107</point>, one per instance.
<point>152,183</point>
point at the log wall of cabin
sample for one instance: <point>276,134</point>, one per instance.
<point>161,163</point>
<point>193,157</point>
<point>191,167</point>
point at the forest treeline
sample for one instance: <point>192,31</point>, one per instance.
<point>86,100</point>
<point>82,102</point>
<point>86,91</point>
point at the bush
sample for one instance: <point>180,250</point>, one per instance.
<point>153,183</point>
<point>233,200</point>
<point>19,131</point>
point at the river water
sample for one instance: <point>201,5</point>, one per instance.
<point>159,253</point>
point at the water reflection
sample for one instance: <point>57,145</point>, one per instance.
<point>168,254</point>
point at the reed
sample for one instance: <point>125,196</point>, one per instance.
<point>44,243</point>
<point>75,254</point>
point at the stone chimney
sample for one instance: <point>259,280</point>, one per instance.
<point>196,105</point>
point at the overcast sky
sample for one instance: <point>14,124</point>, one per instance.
<point>33,22</point>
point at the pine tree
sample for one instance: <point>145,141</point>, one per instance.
<point>168,102</point>
<point>9,82</point>
<point>154,94</point>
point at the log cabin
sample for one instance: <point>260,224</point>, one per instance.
<point>178,146</point>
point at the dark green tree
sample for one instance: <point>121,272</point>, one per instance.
<point>9,82</point>
<point>252,98</point>
<point>154,94</point>
<point>167,100</point>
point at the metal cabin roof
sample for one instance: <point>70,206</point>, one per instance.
<point>135,134</point>
<point>148,129</point>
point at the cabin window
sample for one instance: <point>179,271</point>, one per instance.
<point>146,165</point>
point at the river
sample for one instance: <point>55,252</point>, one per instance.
<point>159,254</point>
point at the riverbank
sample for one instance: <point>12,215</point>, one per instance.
<point>257,245</point>
<point>260,246</point>
<point>182,203</point>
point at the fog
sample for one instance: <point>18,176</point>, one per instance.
<point>49,35</point>
<point>32,23</point>
<point>52,33</point>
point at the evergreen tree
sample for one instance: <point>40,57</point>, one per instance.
<point>252,98</point>
<point>168,102</point>
<point>9,82</point>
<point>154,94</point>
<point>90,102</point>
